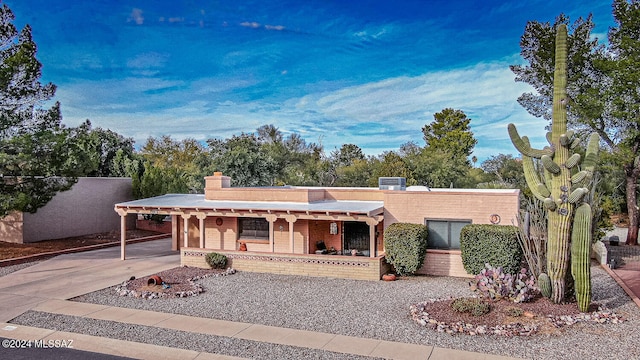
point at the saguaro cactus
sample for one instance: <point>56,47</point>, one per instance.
<point>564,184</point>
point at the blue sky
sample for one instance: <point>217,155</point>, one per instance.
<point>368,72</point>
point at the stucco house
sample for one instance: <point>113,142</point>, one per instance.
<point>320,231</point>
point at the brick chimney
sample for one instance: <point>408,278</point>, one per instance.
<point>217,181</point>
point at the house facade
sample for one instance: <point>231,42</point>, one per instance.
<point>319,231</point>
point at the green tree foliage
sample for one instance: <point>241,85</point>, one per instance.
<point>438,168</point>
<point>391,164</point>
<point>623,67</point>
<point>184,159</point>
<point>443,162</point>
<point>603,93</point>
<point>38,155</point>
<point>358,173</point>
<point>505,171</point>
<point>102,146</point>
<point>242,158</point>
<point>161,180</point>
<point>538,49</point>
<point>291,156</point>
<point>450,132</point>
<point>350,166</point>
<point>346,155</point>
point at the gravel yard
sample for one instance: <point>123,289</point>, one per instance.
<point>356,308</point>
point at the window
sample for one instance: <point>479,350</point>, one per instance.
<point>445,234</point>
<point>253,228</point>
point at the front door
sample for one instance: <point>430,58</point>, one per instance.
<point>356,236</point>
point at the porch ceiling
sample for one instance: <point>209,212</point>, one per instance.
<point>181,202</point>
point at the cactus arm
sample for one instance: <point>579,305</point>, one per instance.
<point>523,146</point>
<point>579,177</point>
<point>538,189</point>
<point>591,157</point>
<point>575,143</point>
<point>577,195</point>
<point>580,256</point>
<point>567,138</point>
<point>548,135</point>
<point>572,161</point>
<point>583,178</point>
<point>549,165</point>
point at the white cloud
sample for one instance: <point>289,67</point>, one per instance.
<point>377,116</point>
<point>136,16</point>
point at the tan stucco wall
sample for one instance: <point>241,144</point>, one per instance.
<point>86,208</point>
<point>11,228</point>
<point>477,206</point>
<point>221,237</point>
<point>225,236</point>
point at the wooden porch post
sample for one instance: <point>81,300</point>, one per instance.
<point>291,219</point>
<point>123,233</point>
<point>185,223</point>
<point>271,219</point>
<point>175,233</point>
<point>372,237</point>
<point>201,217</point>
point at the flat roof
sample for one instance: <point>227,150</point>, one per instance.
<point>198,201</point>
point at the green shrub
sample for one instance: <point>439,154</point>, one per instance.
<point>496,245</point>
<point>474,306</point>
<point>514,311</point>
<point>405,246</point>
<point>215,260</point>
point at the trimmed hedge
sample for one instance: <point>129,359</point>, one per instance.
<point>496,245</point>
<point>405,246</point>
<point>216,260</point>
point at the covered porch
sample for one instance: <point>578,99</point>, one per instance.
<point>281,237</point>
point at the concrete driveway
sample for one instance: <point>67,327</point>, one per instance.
<point>67,276</point>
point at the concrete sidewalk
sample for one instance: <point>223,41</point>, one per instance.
<point>47,286</point>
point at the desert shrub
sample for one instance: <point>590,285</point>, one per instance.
<point>216,260</point>
<point>474,306</point>
<point>497,245</point>
<point>514,311</point>
<point>494,284</point>
<point>405,246</point>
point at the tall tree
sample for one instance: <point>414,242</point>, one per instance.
<point>185,159</point>
<point>538,49</point>
<point>624,70</point>
<point>603,93</point>
<point>38,156</point>
<point>390,164</point>
<point>242,158</point>
<point>346,155</point>
<point>506,171</point>
<point>450,132</point>
<point>101,147</point>
<point>439,168</point>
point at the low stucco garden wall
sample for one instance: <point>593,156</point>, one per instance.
<point>345,267</point>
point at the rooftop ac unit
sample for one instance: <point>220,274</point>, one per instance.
<point>392,183</point>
